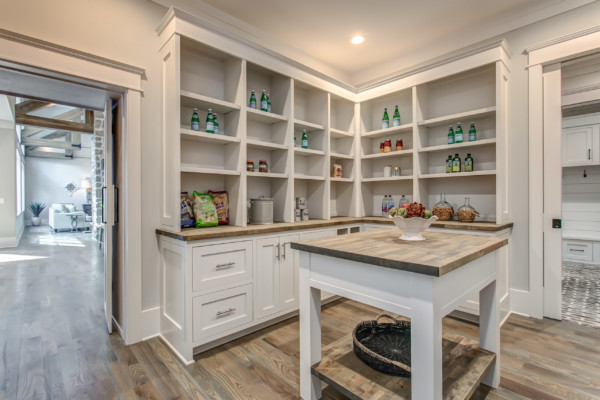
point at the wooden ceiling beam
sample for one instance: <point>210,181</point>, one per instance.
<point>87,127</point>
<point>55,144</point>
<point>27,106</point>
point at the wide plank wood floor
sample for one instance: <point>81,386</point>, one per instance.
<point>54,345</point>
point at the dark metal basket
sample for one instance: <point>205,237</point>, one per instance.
<point>384,347</point>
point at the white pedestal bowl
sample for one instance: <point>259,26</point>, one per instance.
<point>412,227</point>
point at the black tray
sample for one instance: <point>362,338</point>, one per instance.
<point>384,347</point>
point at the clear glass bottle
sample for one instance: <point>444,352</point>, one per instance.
<point>403,200</point>
<point>442,209</point>
<point>466,212</point>
<point>385,121</point>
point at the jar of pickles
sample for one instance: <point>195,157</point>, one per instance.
<point>249,165</point>
<point>262,166</point>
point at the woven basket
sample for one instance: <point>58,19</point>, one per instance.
<point>384,347</point>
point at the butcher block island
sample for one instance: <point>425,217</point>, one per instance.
<point>423,281</point>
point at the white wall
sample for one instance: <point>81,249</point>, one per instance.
<point>581,202</point>
<point>46,178</point>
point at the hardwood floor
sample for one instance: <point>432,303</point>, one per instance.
<point>54,345</point>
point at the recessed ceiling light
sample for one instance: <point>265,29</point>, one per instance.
<point>358,39</point>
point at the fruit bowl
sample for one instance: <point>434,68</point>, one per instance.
<point>412,227</point>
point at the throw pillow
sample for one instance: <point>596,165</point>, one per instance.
<point>70,208</point>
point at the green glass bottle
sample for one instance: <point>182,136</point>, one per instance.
<point>295,144</point>
<point>449,164</point>
<point>264,105</point>
<point>385,121</point>
<point>210,122</point>
<point>450,135</point>
<point>195,120</point>
<point>456,164</point>
<point>469,163</point>
<point>304,139</point>
<point>458,136</point>
<point>252,103</point>
<point>216,124</point>
<point>396,118</point>
<point>268,103</point>
<point>472,133</point>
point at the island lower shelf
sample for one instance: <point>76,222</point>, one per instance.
<point>465,365</point>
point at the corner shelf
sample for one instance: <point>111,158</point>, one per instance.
<point>260,144</point>
<point>341,156</point>
<point>388,178</point>
<point>203,170</point>
<point>484,142</point>
<point>482,112</point>
<point>201,136</point>
<point>194,100</point>
<point>339,134</point>
<point>309,126</point>
<point>398,153</point>
<point>458,174</point>
<point>392,130</point>
<point>265,117</point>
<point>308,152</point>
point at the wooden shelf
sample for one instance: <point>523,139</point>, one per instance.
<point>309,177</point>
<point>339,134</point>
<point>342,179</point>
<point>266,175</point>
<point>388,178</point>
<point>484,142</point>
<point>398,153</point>
<point>203,170</point>
<point>201,136</point>
<point>194,100</point>
<point>308,152</point>
<point>309,126</point>
<point>457,174</point>
<point>465,366</point>
<point>262,145</point>
<point>264,117</point>
<point>454,118</point>
<point>392,130</point>
<point>341,156</point>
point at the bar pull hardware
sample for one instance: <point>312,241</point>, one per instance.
<point>103,206</point>
<point>283,256</point>
<point>226,265</point>
<point>589,154</point>
<point>225,312</point>
<point>278,252</point>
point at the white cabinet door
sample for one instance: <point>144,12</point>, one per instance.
<point>267,276</point>
<point>288,273</point>
<point>577,146</point>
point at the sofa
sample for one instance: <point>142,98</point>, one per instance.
<point>64,216</point>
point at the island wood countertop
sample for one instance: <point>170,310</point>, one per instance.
<point>439,254</point>
<point>226,231</point>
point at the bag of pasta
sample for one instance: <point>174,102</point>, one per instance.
<point>204,210</point>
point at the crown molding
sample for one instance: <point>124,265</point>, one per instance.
<point>561,39</point>
<point>581,89</point>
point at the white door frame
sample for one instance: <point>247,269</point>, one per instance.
<point>54,61</point>
<point>544,54</point>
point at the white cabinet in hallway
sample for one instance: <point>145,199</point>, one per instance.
<point>580,145</point>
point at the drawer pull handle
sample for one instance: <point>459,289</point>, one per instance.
<point>580,250</point>
<point>225,312</point>
<point>226,265</point>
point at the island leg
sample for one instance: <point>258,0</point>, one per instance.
<point>489,330</point>
<point>426,342</point>
<point>310,331</point>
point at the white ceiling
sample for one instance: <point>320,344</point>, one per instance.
<point>322,29</point>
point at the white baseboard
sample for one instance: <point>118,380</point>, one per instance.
<point>119,329</point>
<point>6,242</point>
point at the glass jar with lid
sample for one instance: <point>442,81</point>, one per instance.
<point>466,212</point>
<point>249,165</point>
<point>262,166</point>
<point>442,209</point>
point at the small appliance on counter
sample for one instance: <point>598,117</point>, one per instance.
<point>261,211</point>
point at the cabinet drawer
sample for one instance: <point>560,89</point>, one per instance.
<point>221,264</point>
<point>218,312</point>
<point>578,250</point>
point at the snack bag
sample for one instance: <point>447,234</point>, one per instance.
<point>187,215</point>
<point>204,210</point>
<point>222,204</point>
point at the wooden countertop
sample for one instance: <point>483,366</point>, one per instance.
<point>226,231</point>
<point>439,254</point>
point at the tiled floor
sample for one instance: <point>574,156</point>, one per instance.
<point>581,293</point>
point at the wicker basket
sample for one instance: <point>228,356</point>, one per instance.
<point>384,347</point>
<point>443,213</point>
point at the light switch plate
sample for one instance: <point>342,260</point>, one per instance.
<point>1,200</point>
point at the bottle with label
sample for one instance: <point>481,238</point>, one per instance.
<point>210,122</point>
<point>449,164</point>
<point>469,163</point>
<point>396,118</point>
<point>458,137</point>
<point>195,120</point>
<point>295,144</point>
<point>384,206</point>
<point>390,202</point>
<point>264,105</point>
<point>304,139</point>
<point>268,103</point>
<point>450,135</point>
<point>456,163</point>
<point>385,121</point>
<point>403,200</point>
<point>216,123</point>
<point>252,103</point>
<point>472,133</point>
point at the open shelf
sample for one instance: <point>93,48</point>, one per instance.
<point>392,130</point>
<point>259,144</point>
<point>203,170</point>
<point>201,136</point>
<point>342,179</point>
<point>195,100</point>
<point>388,178</point>
<point>309,177</point>
<point>398,153</point>
<point>453,118</point>
<point>484,142</point>
<point>266,175</point>
<point>342,156</point>
<point>457,174</point>
<point>309,126</point>
<point>306,152</point>
<point>265,117</point>
<point>338,134</point>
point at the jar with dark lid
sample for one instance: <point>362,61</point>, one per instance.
<point>249,165</point>
<point>262,166</point>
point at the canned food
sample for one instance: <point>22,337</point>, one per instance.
<point>304,214</point>
<point>298,216</point>
<point>300,203</point>
<point>396,171</point>
<point>336,171</point>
